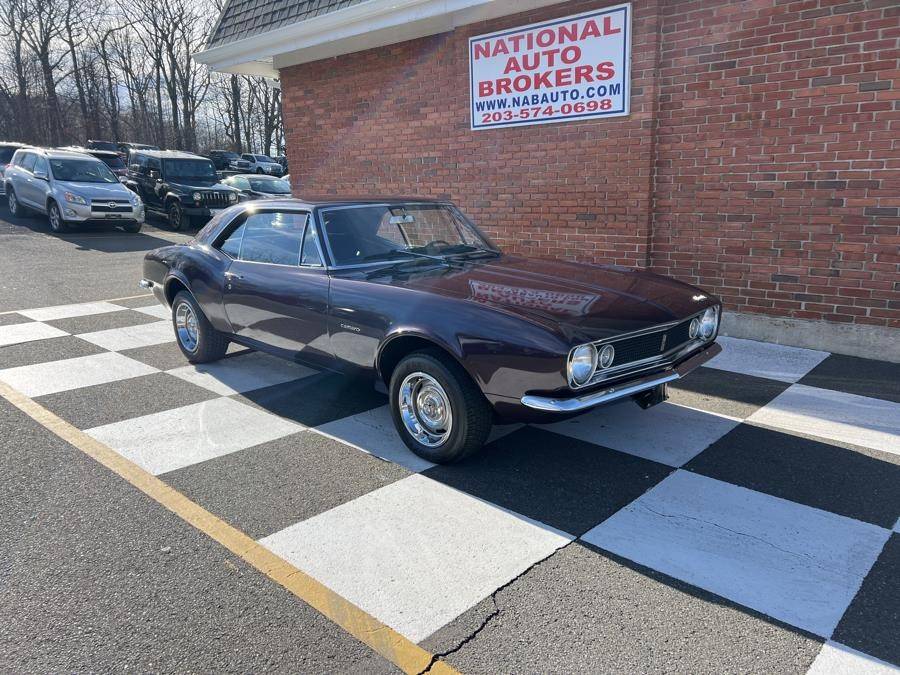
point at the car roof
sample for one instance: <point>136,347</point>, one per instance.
<point>255,175</point>
<point>170,154</point>
<point>13,144</point>
<point>59,153</point>
<point>89,151</point>
<point>328,200</point>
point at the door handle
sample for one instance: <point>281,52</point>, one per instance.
<point>233,275</point>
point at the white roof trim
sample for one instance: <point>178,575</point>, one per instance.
<point>374,23</point>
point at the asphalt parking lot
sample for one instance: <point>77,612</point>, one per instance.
<point>750,524</point>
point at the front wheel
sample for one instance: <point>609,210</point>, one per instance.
<point>437,409</point>
<point>196,338</point>
<point>176,215</point>
<point>132,228</point>
<point>57,224</point>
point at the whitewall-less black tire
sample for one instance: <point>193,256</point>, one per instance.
<point>437,409</point>
<point>196,338</point>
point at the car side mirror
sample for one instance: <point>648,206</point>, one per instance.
<point>41,175</point>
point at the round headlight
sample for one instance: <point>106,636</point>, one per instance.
<point>232,197</point>
<point>694,329</point>
<point>606,356</point>
<point>197,196</point>
<point>582,364</point>
<point>709,322</point>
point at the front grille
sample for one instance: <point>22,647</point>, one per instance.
<point>215,200</point>
<point>110,206</point>
<point>650,345</point>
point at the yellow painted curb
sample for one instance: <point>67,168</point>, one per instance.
<point>397,649</point>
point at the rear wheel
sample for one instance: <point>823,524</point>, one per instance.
<point>57,224</point>
<point>437,409</point>
<point>15,206</point>
<point>196,338</point>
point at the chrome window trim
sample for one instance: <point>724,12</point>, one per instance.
<point>322,210</point>
<point>245,212</point>
<point>641,365</point>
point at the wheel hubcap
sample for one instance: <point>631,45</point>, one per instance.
<point>54,218</point>
<point>425,409</point>
<point>186,327</point>
<point>12,203</point>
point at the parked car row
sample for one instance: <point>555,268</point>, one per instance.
<point>74,185</point>
<point>69,187</point>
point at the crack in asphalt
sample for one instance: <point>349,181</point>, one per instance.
<point>437,656</point>
<point>799,554</point>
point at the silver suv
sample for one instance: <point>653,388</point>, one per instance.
<point>262,164</point>
<point>70,187</point>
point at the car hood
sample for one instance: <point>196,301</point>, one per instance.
<point>97,190</point>
<point>584,302</point>
<point>211,184</point>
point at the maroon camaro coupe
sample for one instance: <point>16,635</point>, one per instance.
<point>410,292</point>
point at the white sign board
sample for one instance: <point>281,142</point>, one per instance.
<point>568,69</point>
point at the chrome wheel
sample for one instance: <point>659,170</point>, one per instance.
<point>186,327</point>
<point>425,409</point>
<point>13,203</point>
<point>54,218</point>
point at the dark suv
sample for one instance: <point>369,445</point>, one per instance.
<point>182,187</point>
<point>225,160</point>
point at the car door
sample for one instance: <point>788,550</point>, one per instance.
<point>276,288</point>
<point>40,182</point>
<point>250,160</point>
<point>23,180</point>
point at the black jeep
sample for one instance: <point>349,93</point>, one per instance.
<point>182,187</point>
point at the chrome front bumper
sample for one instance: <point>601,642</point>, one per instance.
<point>622,390</point>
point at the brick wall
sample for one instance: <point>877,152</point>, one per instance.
<point>778,156</point>
<point>761,159</point>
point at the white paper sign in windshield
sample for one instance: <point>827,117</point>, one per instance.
<point>569,69</point>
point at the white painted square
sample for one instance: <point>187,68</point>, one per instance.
<point>373,431</point>
<point>173,439</point>
<point>157,310</point>
<point>837,659</point>
<point>27,332</point>
<point>69,311</point>
<point>54,376</point>
<point>869,422</point>
<point>792,562</point>
<point>242,373</point>
<point>415,554</point>
<point>130,337</point>
<point>765,359</point>
<point>666,433</point>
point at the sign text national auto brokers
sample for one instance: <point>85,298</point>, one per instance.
<point>568,69</point>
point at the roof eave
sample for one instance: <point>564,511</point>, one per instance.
<point>380,22</point>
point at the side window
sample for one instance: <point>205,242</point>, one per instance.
<point>28,161</point>
<point>138,163</point>
<point>249,158</point>
<point>232,244</point>
<point>273,238</point>
<point>153,164</point>
<point>40,164</point>
<point>310,255</point>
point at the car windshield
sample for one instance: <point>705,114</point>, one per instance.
<point>189,168</point>
<point>113,161</point>
<point>81,171</point>
<point>104,145</point>
<point>264,158</point>
<point>382,232</point>
<point>6,154</point>
<point>271,187</point>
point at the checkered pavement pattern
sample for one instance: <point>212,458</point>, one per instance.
<point>750,523</point>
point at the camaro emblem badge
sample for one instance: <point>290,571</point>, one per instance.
<point>662,346</point>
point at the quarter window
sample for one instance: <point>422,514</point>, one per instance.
<point>28,161</point>
<point>232,244</point>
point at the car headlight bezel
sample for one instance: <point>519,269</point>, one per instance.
<point>197,196</point>
<point>581,365</point>
<point>709,323</point>
<point>73,198</point>
<point>233,197</point>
